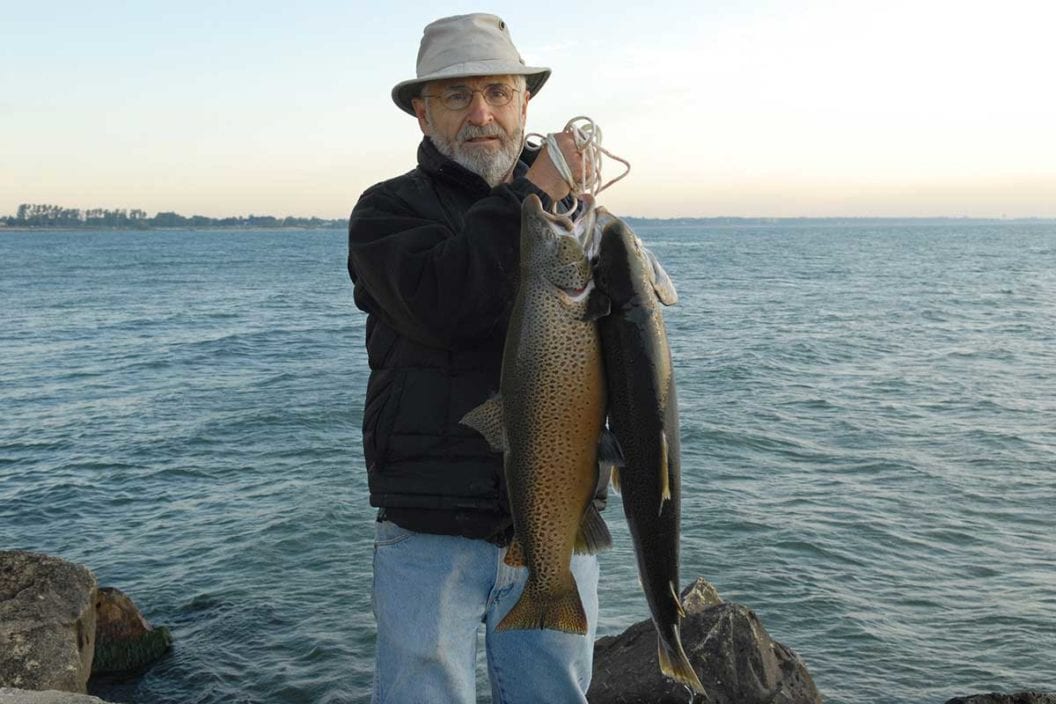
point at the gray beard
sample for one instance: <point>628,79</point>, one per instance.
<point>492,168</point>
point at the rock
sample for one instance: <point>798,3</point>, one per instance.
<point>736,659</point>
<point>699,596</point>
<point>994,698</point>
<point>124,640</point>
<point>23,696</point>
<point>47,622</point>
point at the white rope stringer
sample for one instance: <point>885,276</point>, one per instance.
<point>588,142</point>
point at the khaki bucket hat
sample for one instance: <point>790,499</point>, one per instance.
<point>466,45</point>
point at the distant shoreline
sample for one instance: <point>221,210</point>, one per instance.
<point>631,220</point>
<point>183,228</point>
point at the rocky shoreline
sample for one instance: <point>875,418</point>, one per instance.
<point>58,628</point>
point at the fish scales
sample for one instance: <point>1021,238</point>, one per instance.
<point>552,404</point>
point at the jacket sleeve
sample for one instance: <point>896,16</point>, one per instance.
<point>433,284</point>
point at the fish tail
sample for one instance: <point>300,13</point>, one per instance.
<point>562,611</point>
<point>593,536</point>
<point>675,664</point>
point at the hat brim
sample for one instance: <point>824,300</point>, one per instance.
<point>535,77</point>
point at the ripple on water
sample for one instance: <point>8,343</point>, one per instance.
<point>867,448</point>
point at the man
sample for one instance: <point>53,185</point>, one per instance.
<point>433,254</point>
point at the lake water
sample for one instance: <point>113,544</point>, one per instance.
<point>868,424</point>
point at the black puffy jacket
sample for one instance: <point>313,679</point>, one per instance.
<point>433,255</point>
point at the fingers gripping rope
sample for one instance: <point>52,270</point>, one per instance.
<point>588,142</point>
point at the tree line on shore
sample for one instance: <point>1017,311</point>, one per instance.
<point>44,215</point>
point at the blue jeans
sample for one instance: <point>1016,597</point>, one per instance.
<point>432,592</point>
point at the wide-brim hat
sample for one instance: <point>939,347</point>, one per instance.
<point>462,46</point>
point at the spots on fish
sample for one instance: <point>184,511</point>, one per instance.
<point>568,268</point>
<point>556,402</point>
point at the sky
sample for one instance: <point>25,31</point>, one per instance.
<point>756,108</point>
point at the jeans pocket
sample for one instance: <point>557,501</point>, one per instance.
<point>388,533</point>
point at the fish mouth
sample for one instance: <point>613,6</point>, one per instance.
<point>555,221</point>
<point>578,295</point>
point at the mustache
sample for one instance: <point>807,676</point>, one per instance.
<point>473,131</point>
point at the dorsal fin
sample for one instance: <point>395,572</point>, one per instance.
<point>663,286</point>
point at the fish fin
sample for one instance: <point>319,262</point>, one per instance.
<point>609,450</point>
<point>610,457</point>
<point>515,554</point>
<point>662,284</point>
<point>559,612</point>
<point>593,536</point>
<point>598,305</point>
<point>665,473</point>
<point>675,664</point>
<point>614,481</point>
<point>487,419</point>
<point>678,600</point>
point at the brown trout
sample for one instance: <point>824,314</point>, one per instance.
<point>643,414</point>
<point>547,419</point>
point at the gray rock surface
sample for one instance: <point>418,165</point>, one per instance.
<point>735,658</point>
<point>47,622</point>
<point>51,696</point>
<point>1018,698</point>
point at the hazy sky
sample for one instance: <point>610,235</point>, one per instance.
<point>781,108</point>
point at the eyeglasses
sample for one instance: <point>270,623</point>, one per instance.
<point>458,98</point>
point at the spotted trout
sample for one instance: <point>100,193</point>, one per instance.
<point>547,420</point>
<point>643,414</point>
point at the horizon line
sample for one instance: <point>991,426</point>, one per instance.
<point>138,215</point>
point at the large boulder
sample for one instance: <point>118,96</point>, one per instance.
<point>23,696</point>
<point>124,640</point>
<point>735,658</point>
<point>1018,698</point>
<point>47,622</point>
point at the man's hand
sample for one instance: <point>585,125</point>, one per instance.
<point>546,176</point>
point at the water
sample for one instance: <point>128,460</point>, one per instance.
<point>869,448</point>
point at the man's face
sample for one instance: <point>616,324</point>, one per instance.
<point>484,138</point>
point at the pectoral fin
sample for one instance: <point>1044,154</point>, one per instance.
<point>487,419</point>
<point>610,454</point>
<point>662,284</point>
<point>665,473</point>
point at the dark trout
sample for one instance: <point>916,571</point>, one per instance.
<point>547,420</point>
<point>643,414</point>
